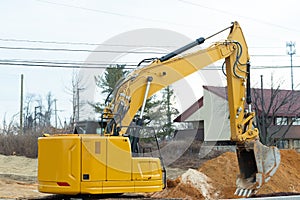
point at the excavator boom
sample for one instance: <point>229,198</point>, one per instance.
<point>257,162</point>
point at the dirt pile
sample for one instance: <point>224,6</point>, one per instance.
<point>18,178</point>
<point>190,185</point>
<point>18,166</point>
<point>215,179</point>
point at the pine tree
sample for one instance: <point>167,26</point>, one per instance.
<point>107,83</point>
<point>111,77</point>
<point>169,110</point>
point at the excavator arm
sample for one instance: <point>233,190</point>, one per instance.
<point>257,162</point>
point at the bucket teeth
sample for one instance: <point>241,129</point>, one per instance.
<point>249,193</point>
<point>243,192</point>
<point>237,191</point>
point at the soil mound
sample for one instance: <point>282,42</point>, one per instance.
<point>215,179</point>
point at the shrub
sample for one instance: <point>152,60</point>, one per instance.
<point>21,145</point>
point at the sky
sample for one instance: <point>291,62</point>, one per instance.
<point>52,32</point>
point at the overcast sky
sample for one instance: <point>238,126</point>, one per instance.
<point>64,24</point>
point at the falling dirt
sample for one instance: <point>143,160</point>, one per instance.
<point>217,177</point>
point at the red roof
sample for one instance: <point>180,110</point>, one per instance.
<point>188,112</point>
<point>286,103</point>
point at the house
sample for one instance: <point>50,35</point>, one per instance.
<point>210,113</point>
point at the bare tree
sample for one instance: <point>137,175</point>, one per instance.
<point>38,112</point>
<point>28,115</point>
<point>10,127</point>
<point>49,109</point>
<point>38,115</point>
<point>77,86</point>
<point>276,110</point>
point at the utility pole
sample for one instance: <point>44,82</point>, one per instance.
<point>263,122</point>
<point>21,105</point>
<point>291,50</point>
<point>55,112</point>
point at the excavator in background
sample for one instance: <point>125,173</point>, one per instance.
<point>111,162</point>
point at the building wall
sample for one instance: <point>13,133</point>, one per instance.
<point>215,114</point>
<point>198,124</point>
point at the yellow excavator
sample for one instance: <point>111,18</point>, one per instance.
<point>110,162</point>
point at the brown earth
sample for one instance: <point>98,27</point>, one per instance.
<point>18,177</point>
<point>219,174</point>
<point>214,179</point>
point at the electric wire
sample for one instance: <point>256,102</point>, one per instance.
<point>111,51</point>
<point>100,66</point>
<point>118,14</point>
<point>129,66</point>
<point>81,43</point>
<point>79,50</point>
<point>67,62</point>
<point>235,14</point>
<point>168,22</point>
<point>113,45</point>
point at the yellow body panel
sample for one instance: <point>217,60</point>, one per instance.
<point>59,163</point>
<point>94,164</point>
<point>146,169</point>
<point>91,187</point>
<point>147,186</point>
<point>119,159</point>
<point>93,159</point>
<point>118,187</point>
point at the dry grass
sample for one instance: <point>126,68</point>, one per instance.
<point>21,145</point>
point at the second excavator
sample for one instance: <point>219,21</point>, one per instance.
<point>109,163</point>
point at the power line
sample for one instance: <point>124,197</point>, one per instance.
<point>108,51</point>
<point>265,47</point>
<point>104,65</point>
<point>272,67</point>
<point>94,64</point>
<point>79,43</point>
<point>78,50</point>
<point>68,62</point>
<point>101,66</point>
<point>230,13</point>
<point>46,42</point>
<point>35,63</point>
<point>110,45</point>
<point>116,14</point>
<point>269,55</point>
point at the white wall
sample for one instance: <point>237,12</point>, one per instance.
<point>215,114</point>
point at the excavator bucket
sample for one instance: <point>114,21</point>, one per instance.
<point>257,164</point>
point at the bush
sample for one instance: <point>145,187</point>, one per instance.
<point>21,145</point>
